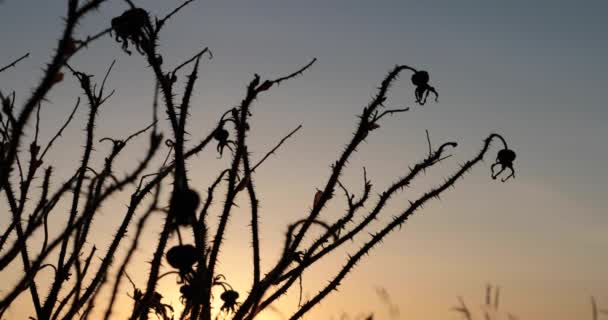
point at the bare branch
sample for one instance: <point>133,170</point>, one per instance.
<point>162,21</point>
<point>58,134</point>
<point>269,153</point>
<point>12,64</point>
<point>195,57</point>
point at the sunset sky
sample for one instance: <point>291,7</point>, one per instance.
<point>534,71</point>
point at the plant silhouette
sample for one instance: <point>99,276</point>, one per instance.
<point>489,308</point>
<point>81,269</point>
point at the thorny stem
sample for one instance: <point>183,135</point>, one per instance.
<point>312,256</point>
<point>134,244</point>
<point>48,79</point>
<point>253,89</point>
<point>62,267</point>
<point>327,192</point>
<point>231,192</point>
<point>178,125</point>
<point>12,64</point>
<point>90,188</point>
<point>107,260</point>
<point>360,135</point>
<point>27,266</point>
<point>254,202</point>
<point>397,221</point>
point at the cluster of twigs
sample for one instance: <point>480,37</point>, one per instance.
<point>77,281</point>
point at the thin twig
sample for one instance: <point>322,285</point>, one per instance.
<point>58,134</point>
<point>275,148</point>
<point>428,139</point>
<point>196,56</point>
<point>12,64</point>
<point>162,21</point>
<point>139,132</point>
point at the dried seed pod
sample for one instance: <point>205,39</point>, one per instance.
<point>221,135</point>
<point>133,25</point>
<point>183,206</point>
<point>421,80</point>
<point>229,297</point>
<point>182,257</point>
<point>188,291</point>
<point>504,159</point>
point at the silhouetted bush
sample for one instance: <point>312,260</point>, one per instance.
<point>77,274</point>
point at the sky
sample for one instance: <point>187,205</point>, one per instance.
<point>532,71</point>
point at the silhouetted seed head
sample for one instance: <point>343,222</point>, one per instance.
<point>133,24</point>
<point>421,80</point>
<point>183,206</point>
<point>506,156</point>
<point>221,135</point>
<point>229,297</point>
<point>182,257</point>
<point>504,159</point>
<point>186,291</point>
<point>156,298</point>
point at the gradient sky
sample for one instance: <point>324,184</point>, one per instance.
<point>535,72</point>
